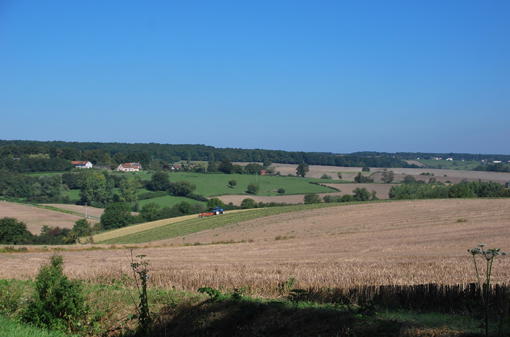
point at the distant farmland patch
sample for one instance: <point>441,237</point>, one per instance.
<point>36,218</point>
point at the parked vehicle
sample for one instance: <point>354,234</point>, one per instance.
<point>215,211</point>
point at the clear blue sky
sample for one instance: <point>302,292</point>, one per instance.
<point>334,76</point>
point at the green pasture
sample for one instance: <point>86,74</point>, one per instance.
<point>49,174</point>
<point>200,224</point>
<point>170,201</point>
<point>450,165</point>
<point>210,185</point>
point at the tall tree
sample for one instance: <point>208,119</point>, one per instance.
<point>128,189</point>
<point>302,169</point>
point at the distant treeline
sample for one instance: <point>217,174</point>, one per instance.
<point>427,155</point>
<point>412,189</point>
<point>25,165</point>
<point>108,153</point>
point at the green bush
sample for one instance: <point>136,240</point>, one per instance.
<point>248,203</point>
<point>58,303</point>
<point>361,194</point>
<point>253,188</point>
<point>348,198</point>
<point>14,232</point>
<point>116,215</point>
<point>312,198</point>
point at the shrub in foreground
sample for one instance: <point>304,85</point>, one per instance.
<point>58,303</point>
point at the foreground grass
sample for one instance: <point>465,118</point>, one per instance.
<point>231,313</point>
<point>194,225</point>
<point>10,328</point>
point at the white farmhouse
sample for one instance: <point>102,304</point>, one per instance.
<point>82,164</point>
<point>129,167</point>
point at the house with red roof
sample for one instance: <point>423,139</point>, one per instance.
<point>129,167</point>
<point>82,164</point>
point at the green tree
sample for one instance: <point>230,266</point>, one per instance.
<point>212,166</point>
<point>281,191</point>
<point>388,176</point>
<point>82,227</point>
<point>232,183</point>
<point>361,194</point>
<point>116,215</point>
<point>14,232</point>
<point>214,202</point>
<point>97,189</point>
<point>312,198</point>
<point>248,203</point>
<point>182,188</point>
<point>365,168</point>
<point>359,178</point>
<point>373,195</point>
<point>347,198</point>
<point>339,175</point>
<point>226,166</point>
<point>253,188</point>
<point>159,182</point>
<point>128,189</point>
<point>150,211</point>
<point>267,163</point>
<point>253,168</point>
<point>302,170</point>
<point>409,180</point>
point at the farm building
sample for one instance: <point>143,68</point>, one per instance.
<point>129,167</point>
<point>82,164</point>
<point>176,167</point>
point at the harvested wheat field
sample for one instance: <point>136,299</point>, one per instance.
<point>381,189</point>
<point>348,173</point>
<point>36,218</point>
<point>407,242</point>
<point>91,211</point>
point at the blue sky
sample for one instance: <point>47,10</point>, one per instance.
<point>333,76</point>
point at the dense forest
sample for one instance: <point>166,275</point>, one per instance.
<point>37,156</point>
<point>115,153</point>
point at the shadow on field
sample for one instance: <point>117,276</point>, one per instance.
<point>247,318</point>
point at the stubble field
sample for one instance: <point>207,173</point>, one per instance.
<point>35,218</point>
<point>408,242</point>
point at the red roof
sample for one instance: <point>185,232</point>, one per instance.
<point>130,166</point>
<point>79,162</point>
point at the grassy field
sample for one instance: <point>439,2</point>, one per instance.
<point>170,201</point>
<point>10,328</point>
<point>193,224</point>
<point>210,185</point>
<point>179,313</point>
